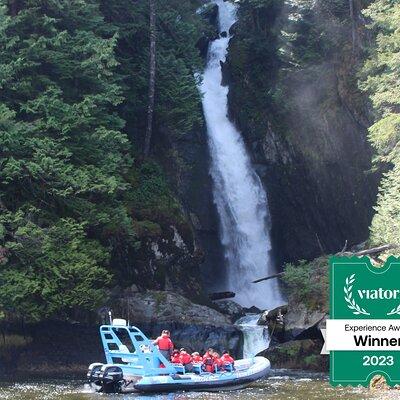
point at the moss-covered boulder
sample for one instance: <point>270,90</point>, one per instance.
<point>299,354</point>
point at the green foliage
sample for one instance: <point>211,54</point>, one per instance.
<point>315,31</point>
<point>307,283</point>
<point>73,92</point>
<point>380,78</point>
<point>151,197</point>
<point>178,103</point>
<point>385,226</point>
<point>55,269</point>
<point>62,156</point>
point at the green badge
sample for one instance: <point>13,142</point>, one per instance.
<point>363,332</point>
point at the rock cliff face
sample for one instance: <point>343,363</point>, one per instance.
<point>188,171</point>
<point>298,107</point>
<point>196,327</point>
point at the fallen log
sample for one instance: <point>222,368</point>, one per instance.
<point>372,250</point>
<point>221,295</point>
<point>279,274</point>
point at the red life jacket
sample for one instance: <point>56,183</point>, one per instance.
<point>227,359</point>
<point>197,359</point>
<point>208,362</point>
<point>164,342</point>
<point>175,359</point>
<point>185,358</point>
<point>217,361</point>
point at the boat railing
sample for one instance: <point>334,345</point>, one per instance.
<point>145,359</point>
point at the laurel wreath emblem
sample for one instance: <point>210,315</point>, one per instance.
<point>348,297</point>
<point>395,311</point>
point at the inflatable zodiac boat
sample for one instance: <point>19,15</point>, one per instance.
<point>135,364</point>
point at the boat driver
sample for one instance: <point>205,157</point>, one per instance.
<point>165,344</point>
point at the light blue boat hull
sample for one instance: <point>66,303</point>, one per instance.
<point>246,372</point>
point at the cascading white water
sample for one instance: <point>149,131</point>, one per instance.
<point>238,193</point>
<point>255,337</point>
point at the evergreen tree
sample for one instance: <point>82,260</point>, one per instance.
<point>74,208</point>
<point>177,107</point>
<point>380,77</point>
<point>62,156</point>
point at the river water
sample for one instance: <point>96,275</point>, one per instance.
<point>280,387</point>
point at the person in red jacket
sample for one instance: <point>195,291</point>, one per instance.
<point>165,344</point>
<point>217,362</point>
<point>197,358</point>
<point>208,362</point>
<point>186,360</point>
<point>176,357</point>
<point>227,359</point>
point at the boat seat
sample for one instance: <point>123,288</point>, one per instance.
<point>228,367</point>
<point>179,368</point>
<point>197,368</point>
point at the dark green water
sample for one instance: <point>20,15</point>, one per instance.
<point>280,387</point>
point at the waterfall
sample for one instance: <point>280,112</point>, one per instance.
<point>239,196</point>
<point>255,337</point>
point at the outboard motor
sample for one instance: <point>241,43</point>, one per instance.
<point>93,373</point>
<point>111,379</point>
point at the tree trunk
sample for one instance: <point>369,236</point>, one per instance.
<point>152,77</point>
<point>353,25</point>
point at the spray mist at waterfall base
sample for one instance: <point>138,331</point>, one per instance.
<point>240,198</point>
<point>255,337</point>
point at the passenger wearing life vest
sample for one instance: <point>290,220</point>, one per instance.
<point>165,344</point>
<point>197,358</point>
<point>186,360</point>
<point>208,362</point>
<point>217,362</point>
<point>176,357</point>
<point>227,359</point>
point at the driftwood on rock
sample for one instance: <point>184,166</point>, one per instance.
<point>279,274</point>
<point>221,295</point>
<point>372,250</point>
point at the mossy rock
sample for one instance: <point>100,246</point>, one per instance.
<point>298,354</point>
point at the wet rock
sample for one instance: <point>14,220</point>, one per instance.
<point>298,354</point>
<point>231,308</point>
<point>224,34</point>
<point>156,306</point>
<point>302,323</point>
<point>252,310</point>
<point>272,315</point>
<point>202,45</point>
<point>225,74</point>
<point>210,13</point>
<point>274,320</point>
